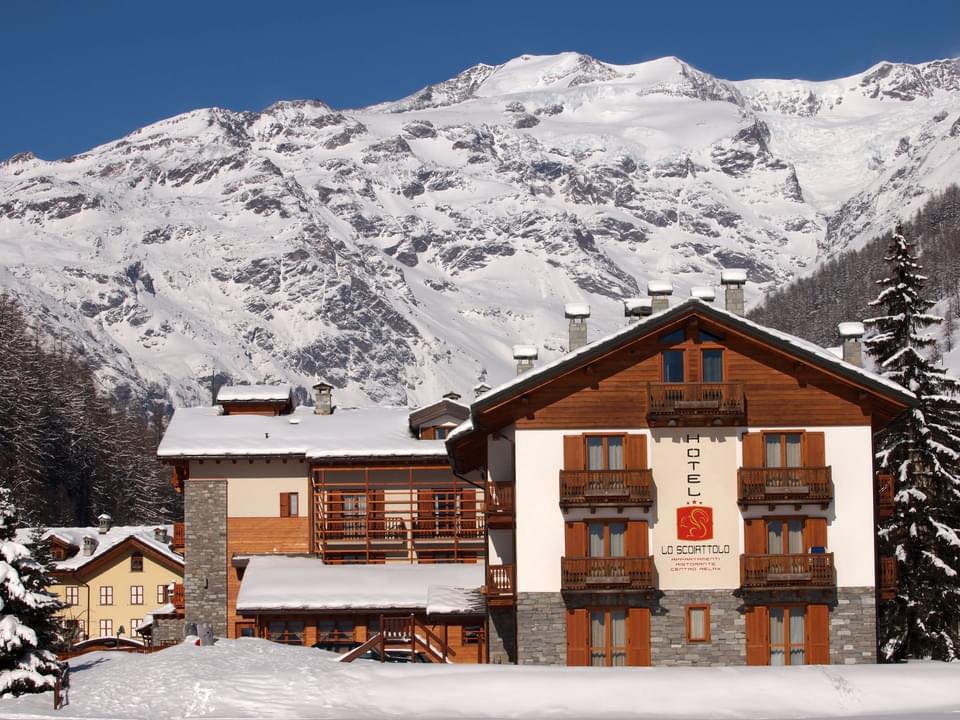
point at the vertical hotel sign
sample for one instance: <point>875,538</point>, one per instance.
<point>696,535</point>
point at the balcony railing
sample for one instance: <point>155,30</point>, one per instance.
<point>695,400</point>
<point>501,584</point>
<point>498,503</point>
<point>592,488</point>
<point>768,486</point>
<point>787,572</point>
<point>888,578</point>
<point>178,596</point>
<point>179,536</point>
<point>615,573</point>
<point>885,494</point>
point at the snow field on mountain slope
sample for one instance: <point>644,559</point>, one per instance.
<point>258,679</point>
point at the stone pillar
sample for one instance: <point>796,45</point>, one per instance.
<point>733,281</point>
<point>659,292</point>
<point>577,313</point>
<point>524,355</point>
<point>852,335</point>
<point>205,559</point>
<point>541,629</point>
<point>501,637</point>
<point>636,308</point>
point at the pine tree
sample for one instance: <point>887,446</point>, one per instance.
<point>921,449</point>
<point>29,629</point>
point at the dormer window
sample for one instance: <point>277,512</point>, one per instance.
<point>136,562</point>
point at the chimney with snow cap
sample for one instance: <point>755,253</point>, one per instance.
<point>160,535</point>
<point>852,334</point>
<point>323,398</point>
<point>660,292</point>
<point>104,523</point>
<point>524,355</point>
<point>577,313</point>
<point>636,308</point>
<point>707,294</point>
<point>89,545</point>
<point>481,388</point>
<point>733,280</point>
<point>451,396</point>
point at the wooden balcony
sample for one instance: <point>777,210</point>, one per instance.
<point>363,529</point>
<point>179,537</point>
<point>810,571</point>
<point>500,588</point>
<point>178,597</point>
<point>606,488</point>
<point>885,485</point>
<point>498,504</point>
<point>695,403</point>
<point>887,582</point>
<point>620,574</point>
<point>773,486</point>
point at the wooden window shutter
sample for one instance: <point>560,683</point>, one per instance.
<point>758,630</point>
<point>818,635</point>
<point>636,545</point>
<point>816,449</point>
<point>638,637</point>
<point>428,433</point>
<point>468,508</point>
<point>573,455</point>
<point>425,510</point>
<point>753,450</point>
<point>755,536</point>
<point>815,532</point>
<point>284,504</point>
<point>575,535</point>
<point>635,452</point>
<point>578,631</point>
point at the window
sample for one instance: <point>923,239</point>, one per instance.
<point>162,594</point>
<point>445,511</point>
<point>106,628</point>
<point>698,623</point>
<point>136,594</point>
<point>783,450</point>
<point>72,595</point>
<point>245,629</point>
<point>608,638</point>
<point>288,632</point>
<point>58,553</point>
<point>135,623</point>
<point>289,504</point>
<point>712,366</point>
<point>354,515</point>
<point>787,636</point>
<point>676,336</point>
<point>606,539</point>
<point>705,336</point>
<point>336,634</point>
<point>81,629</point>
<point>136,562</point>
<point>440,433</point>
<point>604,452</point>
<point>472,635</point>
<point>106,595</point>
<point>785,536</point>
<point>673,366</point>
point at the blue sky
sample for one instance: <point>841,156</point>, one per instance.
<point>76,74</point>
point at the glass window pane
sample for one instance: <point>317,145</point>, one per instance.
<point>598,639</point>
<point>596,540</point>
<point>594,453</point>
<point>294,499</point>
<point>793,451</point>
<point>615,453</point>
<point>676,336</point>
<point>795,536</point>
<point>618,533</point>
<point>713,366</point>
<point>775,538</point>
<point>772,443</point>
<point>618,637</point>
<point>673,366</point>
<point>697,624</point>
<point>776,637</point>
<point>797,637</point>
<point>708,336</point>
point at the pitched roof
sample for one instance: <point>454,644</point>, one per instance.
<point>105,543</point>
<point>253,393</point>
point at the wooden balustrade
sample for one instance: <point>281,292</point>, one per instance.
<point>888,578</point>
<point>498,504</point>
<point>769,486</point>
<point>501,585</point>
<point>885,493</point>
<point>787,572</point>
<point>178,597</point>
<point>706,402</point>
<point>612,573</point>
<point>179,537</point>
<point>596,488</point>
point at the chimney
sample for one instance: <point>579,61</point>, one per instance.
<point>706,294</point>
<point>160,535</point>
<point>481,388</point>
<point>852,334</point>
<point>451,396</point>
<point>733,280</point>
<point>89,545</point>
<point>323,398</point>
<point>660,292</point>
<point>577,314</point>
<point>636,308</point>
<point>524,355</point>
<point>105,522</point>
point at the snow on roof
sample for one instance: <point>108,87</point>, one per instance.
<point>162,611</point>
<point>576,310</point>
<point>659,287</point>
<point>104,541</point>
<point>252,393</point>
<point>703,292</point>
<point>523,352</point>
<point>731,276</point>
<point>279,582</point>
<point>636,305</point>
<point>347,432</point>
<point>850,329</point>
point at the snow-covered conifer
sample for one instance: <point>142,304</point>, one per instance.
<point>28,626</point>
<point>921,449</point>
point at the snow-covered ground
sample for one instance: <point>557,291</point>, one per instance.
<point>255,678</point>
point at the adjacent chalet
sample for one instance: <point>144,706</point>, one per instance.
<point>116,582</point>
<point>342,528</point>
<point>692,489</point>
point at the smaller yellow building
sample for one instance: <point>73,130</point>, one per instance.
<point>111,578</point>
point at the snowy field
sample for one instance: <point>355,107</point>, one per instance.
<point>258,679</point>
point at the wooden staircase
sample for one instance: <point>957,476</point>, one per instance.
<point>403,633</point>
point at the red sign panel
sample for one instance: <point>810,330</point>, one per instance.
<point>694,522</point>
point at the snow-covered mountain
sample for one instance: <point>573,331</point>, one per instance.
<point>399,250</point>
